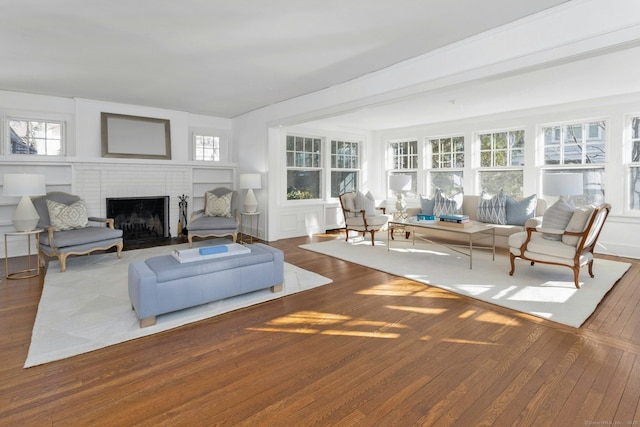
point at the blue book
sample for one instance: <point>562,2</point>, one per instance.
<point>423,217</point>
<point>213,250</point>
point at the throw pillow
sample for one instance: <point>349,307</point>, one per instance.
<point>519,211</point>
<point>447,205</point>
<point>67,217</point>
<point>366,203</point>
<point>557,217</point>
<point>577,223</point>
<point>492,209</point>
<point>218,206</point>
<point>427,205</point>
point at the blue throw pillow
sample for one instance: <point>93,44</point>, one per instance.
<point>427,205</point>
<point>519,211</point>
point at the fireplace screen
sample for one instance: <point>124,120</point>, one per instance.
<point>141,219</point>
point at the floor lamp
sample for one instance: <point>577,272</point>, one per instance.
<point>250,182</point>
<point>25,217</point>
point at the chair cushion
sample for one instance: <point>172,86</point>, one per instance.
<point>447,206</point>
<point>557,217</point>
<point>375,221</point>
<point>67,217</point>
<point>213,223</point>
<point>80,236</point>
<point>578,222</point>
<point>218,206</point>
<point>492,209</point>
<point>540,245</point>
<point>519,211</point>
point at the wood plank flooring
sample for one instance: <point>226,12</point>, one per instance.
<point>370,349</point>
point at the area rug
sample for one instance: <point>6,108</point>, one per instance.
<point>87,307</point>
<point>541,290</point>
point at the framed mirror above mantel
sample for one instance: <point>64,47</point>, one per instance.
<point>126,136</point>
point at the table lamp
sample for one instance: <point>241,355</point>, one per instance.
<point>563,185</point>
<point>250,181</point>
<point>400,184</point>
<point>25,217</point>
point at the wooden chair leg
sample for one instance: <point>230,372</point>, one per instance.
<point>512,260</point>
<point>576,276</point>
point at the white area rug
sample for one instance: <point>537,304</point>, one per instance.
<point>88,308</point>
<point>540,290</point>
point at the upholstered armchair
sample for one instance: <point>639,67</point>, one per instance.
<point>361,214</point>
<point>218,218</point>
<point>571,247</point>
<point>64,218</point>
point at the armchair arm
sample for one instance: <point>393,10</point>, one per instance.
<point>108,221</point>
<point>194,214</point>
<point>549,230</point>
<point>383,209</point>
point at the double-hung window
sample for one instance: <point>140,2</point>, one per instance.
<point>402,159</point>
<point>447,164</point>
<point>501,162</point>
<point>634,165</point>
<point>304,167</point>
<point>345,167</point>
<point>578,148</point>
<point>36,137</point>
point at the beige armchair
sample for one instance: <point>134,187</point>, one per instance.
<point>361,214</point>
<point>219,217</point>
<point>575,246</point>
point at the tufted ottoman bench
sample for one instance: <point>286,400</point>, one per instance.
<point>162,284</point>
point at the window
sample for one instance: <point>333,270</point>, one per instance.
<point>578,147</point>
<point>634,166</point>
<point>502,162</point>
<point>206,148</point>
<point>345,167</point>
<point>36,137</point>
<point>304,167</point>
<point>402,159</point>
<point>447,163</point>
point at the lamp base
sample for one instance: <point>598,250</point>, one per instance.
<point>401,205</point>
<point>25,218</point>
<point>250,203</point>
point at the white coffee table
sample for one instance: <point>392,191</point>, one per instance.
<point>475,231</point>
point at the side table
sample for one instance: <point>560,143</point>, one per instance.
<point>250,216</point>
<point>29,272</point>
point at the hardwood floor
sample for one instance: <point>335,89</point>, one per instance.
<point>368,349</point>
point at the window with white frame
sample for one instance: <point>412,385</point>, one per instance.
<point>36,137</point>
<point>501,162</point>
<point>402,159</point>
<point>578,148</point>
<point>447,164</point>
<point>345,167</point>
<point>634,165</point>
<point>304,167</point>
<point>206,147</point>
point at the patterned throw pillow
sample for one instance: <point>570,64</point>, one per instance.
<point>492,210</point>
<point>447,206</point>
<point>218,206</point>
<point>557,217</point>
<point>67,217</point>
<point>519,211</point>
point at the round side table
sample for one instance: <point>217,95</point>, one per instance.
<point>29,272</point>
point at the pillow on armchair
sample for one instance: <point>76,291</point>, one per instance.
<point>218,206</point>
<point>67,217</point>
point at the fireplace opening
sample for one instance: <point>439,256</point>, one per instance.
<point>143,220</point>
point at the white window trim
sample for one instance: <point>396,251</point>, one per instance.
<point>5,137</point>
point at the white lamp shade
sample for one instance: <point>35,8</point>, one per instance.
<point>25,217</point>
<point>400,182</point>
<point>562,184</point>
<point>250,181</point>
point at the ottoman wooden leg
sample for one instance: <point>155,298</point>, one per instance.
<point>276,288</point>
<point>147,321</point>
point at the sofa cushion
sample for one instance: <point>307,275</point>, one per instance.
<point>427,205</point>
<point>519,211</point>
<point>447,205</point>
<point>67,217</point>
<point>578,223</point>
<point>492,209</point>
<point>557,217</point>
<point>218,206</point>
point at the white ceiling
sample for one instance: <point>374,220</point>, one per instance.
<point>225,57</point>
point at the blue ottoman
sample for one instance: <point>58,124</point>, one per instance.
<point>162,284</point>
